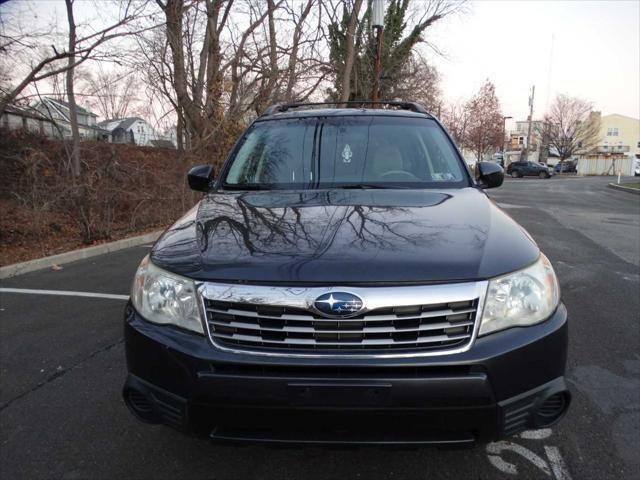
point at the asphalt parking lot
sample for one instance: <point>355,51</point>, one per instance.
<point>62,366</point>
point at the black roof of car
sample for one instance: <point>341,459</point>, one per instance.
<point>392,108</point>
<point>337,112</point>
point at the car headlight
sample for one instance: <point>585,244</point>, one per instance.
<point>165,298</point>
<point>522,298</point>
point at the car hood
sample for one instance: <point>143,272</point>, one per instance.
<point>345,237</point>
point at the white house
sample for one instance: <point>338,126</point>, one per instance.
<point>134,130</point>
<point>58,112</point>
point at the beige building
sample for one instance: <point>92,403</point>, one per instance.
<point>518,141</point>
<point>619,136</point>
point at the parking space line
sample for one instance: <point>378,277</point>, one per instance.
<point>64,293</point>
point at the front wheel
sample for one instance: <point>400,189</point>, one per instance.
<point>544,175</point>
<point>515,174</point>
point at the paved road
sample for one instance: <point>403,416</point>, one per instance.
<point>62,367</point>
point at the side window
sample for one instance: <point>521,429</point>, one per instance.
<point>274,152</point>
<point>443,167</point>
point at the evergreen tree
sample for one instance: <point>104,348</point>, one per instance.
<point>398,47</point>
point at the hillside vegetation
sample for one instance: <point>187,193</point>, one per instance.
<point>125,190</point>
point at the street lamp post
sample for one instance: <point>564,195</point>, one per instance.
<point>377,23</point>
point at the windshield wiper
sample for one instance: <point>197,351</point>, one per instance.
<point>361,186</point>
<point>247,186</point>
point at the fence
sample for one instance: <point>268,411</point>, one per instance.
<point>605,166</point>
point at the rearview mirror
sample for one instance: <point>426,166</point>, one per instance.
<point>489,174</point>
<point>200,178</point>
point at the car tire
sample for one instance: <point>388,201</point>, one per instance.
<point>543,175</point>
<point>515,174</point>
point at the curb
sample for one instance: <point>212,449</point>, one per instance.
<point>622,188</point>
<point>9,271</point>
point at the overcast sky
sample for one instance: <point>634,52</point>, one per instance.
<point>596,53</point>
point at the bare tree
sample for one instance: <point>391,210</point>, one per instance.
<point>264,52</point>
<point>297,38</point>
<point>570,127</point>
<point>418,81</point>
<point>73,113</point>
<point>350,50</point>
<point>111,93</point>
<point>198,91</point>
<point>38,59</point>
<point>455,118</point>
<point>484,127</point>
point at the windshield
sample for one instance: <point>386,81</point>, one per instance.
<point>346,152</point>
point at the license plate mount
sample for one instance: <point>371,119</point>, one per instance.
<point>338,394</point>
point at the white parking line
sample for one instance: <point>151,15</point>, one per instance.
<point>64,293</point>
<point>557,463</point>
<point>553,466</point>
<point>510,205</point>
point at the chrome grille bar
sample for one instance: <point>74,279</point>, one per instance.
<point>401,321</point>
<point>311,341</point>
<point>367,318</point>
<point>286,328</point>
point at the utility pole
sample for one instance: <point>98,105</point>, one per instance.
<point>377,23</point>
<point>504,139</point>
<point>530,119</point>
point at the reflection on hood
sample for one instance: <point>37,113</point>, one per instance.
<point>340,236</point>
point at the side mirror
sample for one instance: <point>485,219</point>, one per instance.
<point>200,178</point>
<point>489,174</point>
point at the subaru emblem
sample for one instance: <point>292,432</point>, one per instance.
<point>338,304</point>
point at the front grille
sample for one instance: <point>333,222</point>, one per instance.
<point>433,326</point>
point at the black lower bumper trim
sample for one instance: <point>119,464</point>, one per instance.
<point>524,411</point>
<point>509,381</point>
<point>154,405</point>
<point>294,437</point>
<point>452,426</point>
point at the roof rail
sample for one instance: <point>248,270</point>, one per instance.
<point>413,106</point>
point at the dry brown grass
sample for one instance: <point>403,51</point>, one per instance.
<point>124,190</point>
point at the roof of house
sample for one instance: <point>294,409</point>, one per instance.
<point>79,109</point>
<point>63,107</point>
<point>123,123</point>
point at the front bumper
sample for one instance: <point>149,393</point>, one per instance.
<point>507,382</point>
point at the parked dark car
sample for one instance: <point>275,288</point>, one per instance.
<point>566,167</point>
<point>528,169</point>
<point>344,280</point>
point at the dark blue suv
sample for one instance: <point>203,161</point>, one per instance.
<point>345,279</point>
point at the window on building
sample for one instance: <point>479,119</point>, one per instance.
<point>612,132</point>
